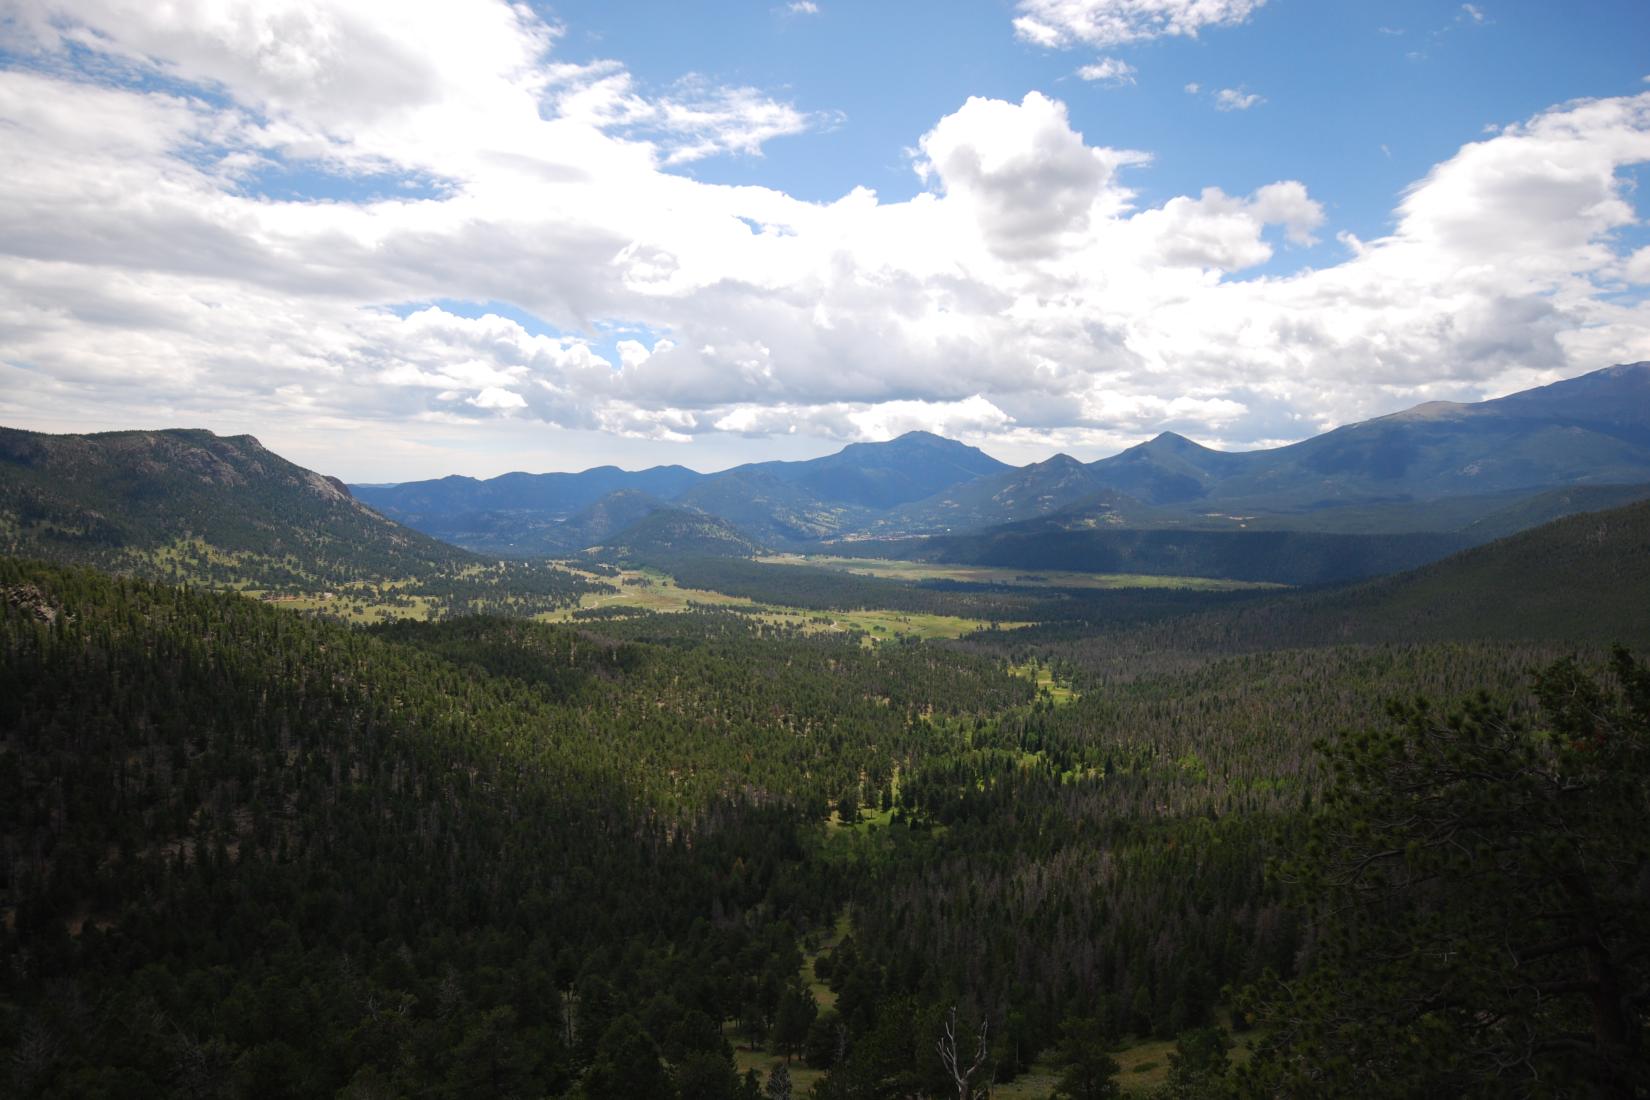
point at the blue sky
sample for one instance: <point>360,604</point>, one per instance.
<point>404,239</point>
<point>1359,99</point>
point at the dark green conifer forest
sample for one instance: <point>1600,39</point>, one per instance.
<point>824,550</point>
<point>1156,845</point>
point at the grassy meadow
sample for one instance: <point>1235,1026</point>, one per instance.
<point>915,571</point>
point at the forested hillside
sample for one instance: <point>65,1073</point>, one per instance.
<point>222,511</point>
<point>672,534</point>
<point>1274,556</point>
<point>249,853</point>
<point>123,499</point>
<point>1582,579</point>
<point>274,855</point>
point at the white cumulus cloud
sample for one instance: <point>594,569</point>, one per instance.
<point>1108,70</point>
<point>548,276</point>
<point>1059,23</point>
<point>1236,99</point>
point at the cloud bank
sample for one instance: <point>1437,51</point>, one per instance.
<point>327,220</point>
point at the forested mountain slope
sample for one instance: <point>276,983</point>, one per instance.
<point>1583,579</point>
<point>529,535</point>
<point>669,534</point>
<point>769,508</point>
<point>141,501</point>
<point>1594,429</point>
<point>249,853</point>
<point>224,512</point>
<point>1271,556</point>
<point>1013,495</point>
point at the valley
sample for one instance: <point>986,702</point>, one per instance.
<point>824,550</point>
<point>297,800</point>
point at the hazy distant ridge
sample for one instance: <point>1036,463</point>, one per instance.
<point>1438,469</point>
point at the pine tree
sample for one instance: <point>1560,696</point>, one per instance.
<point>1479,889</point>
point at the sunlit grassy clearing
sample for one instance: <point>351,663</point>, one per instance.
<point>869,818</point>
<point>353,606</point>
<point>881,625</point>
<point>1043,677</point>
<point>1143,1065</point>
<point>890,569</point>
<point>652,590</point>
<point>647,590</point>
<point>824,995</point>
<point>802,1077</point>
<point>762,1058</point>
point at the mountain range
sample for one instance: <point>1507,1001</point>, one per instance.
<point>1592,429</point>
<point>1383,495</point>
<point>776,503</point>
<point>1465,472</point>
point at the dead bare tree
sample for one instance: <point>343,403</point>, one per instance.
<point>951,1055</point>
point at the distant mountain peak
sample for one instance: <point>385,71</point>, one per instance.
<point>1430,410</point>
<point>913,439</point>
<point>1624,370</point>
<point>1174,442</point>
